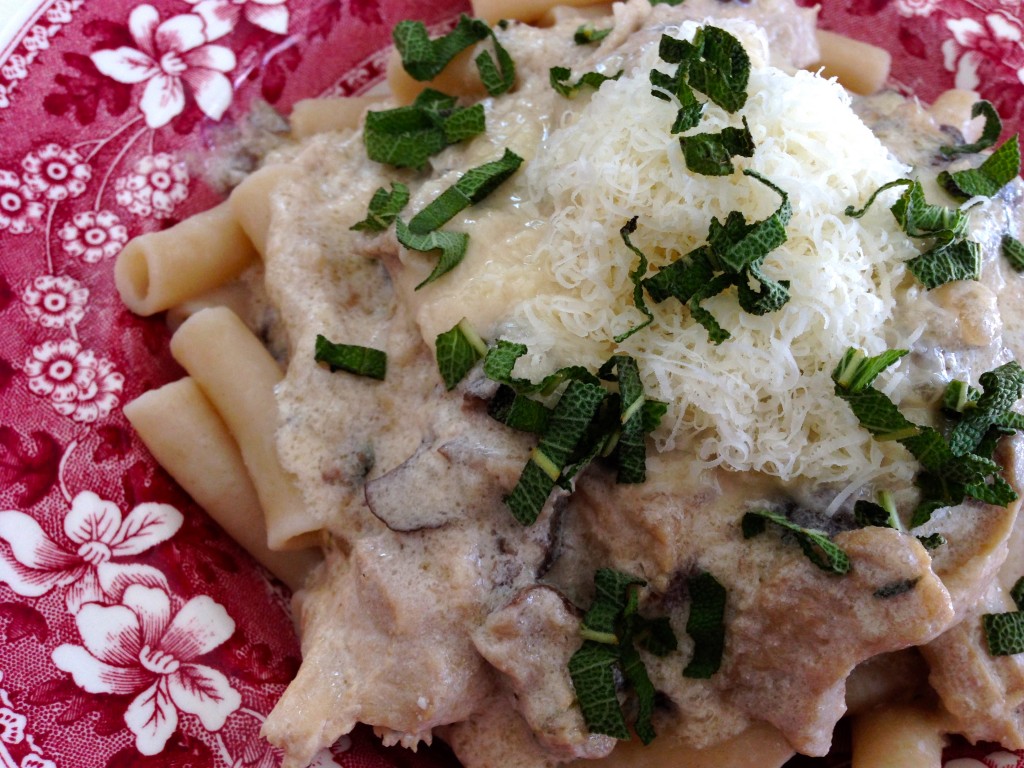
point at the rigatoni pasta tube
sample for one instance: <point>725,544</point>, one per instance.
<point>312,116</point>
<point>459,78</point>
<point>860,67</point>
<point>249,202</point>
<point>898,736</point>
<point>238,375</point>
<point>158,270</point>
<point>186,435</point>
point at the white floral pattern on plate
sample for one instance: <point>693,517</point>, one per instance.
<point>131,631</point>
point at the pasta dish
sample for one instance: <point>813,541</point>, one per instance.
<point>619,388</point>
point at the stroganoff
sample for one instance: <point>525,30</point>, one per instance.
<point>441,611</point>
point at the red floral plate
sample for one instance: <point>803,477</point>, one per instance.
<point>133,632</point>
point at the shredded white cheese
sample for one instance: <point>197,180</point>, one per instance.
<point>762,400</point>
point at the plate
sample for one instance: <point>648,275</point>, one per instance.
<point>133,632</point>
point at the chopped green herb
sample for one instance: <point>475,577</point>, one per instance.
<point>816,545</point>
<point>611,630</point>
<point>559,78</point>
<point>637,276</point>
<point>362,361</point>
<point>1017,594</point>
<point>952,256</point>
<point>932,541</point>
<point>384,208</point>
<point>631,435</point>
<point>451,244</point>
<point>1013,251</point>
<point>896,588</point>
<point>715,64</point>
<point>424,59</point>
<point>706,625</point>
<point>953,470</point>
<point>476,184</point>
<point>1004,632</point>
<point>565,428</point>
<point>711,153</point>
<point>518,411</point>
<point>989,134</point>
<point>881,514</point>
<point>457,351</point>
<point>737,251</point>
<point>587,33</point>
<point>406,137</point>
<point>997,170</point>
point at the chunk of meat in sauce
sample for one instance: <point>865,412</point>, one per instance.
<point>530,641</point>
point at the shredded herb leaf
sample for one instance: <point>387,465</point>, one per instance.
<point>457,350</point>
<point>989,134</point>
<point>816,544</point>
<point>951,470</point>
<point>630,438</point>
<point>476,184</point>
<point>362,361</point>
<point>637,276</point>
<point>518,411</point>
<point>896,588</point>
<point>424,59</point>
<point>565,428</point>
<point>706,625</point>
<point>559,78</point>
<point>733,256</point>
<point>1013,251</point>
<point>611,630</point>
<point>451,244</point>
<point>587,33</point>
<point>384,208</point>
<point>406,137</point>
<point>1004,632</point>
<point>995,172</point>
<point>711,153</point>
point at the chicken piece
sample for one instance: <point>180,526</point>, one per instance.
<point>809,629</point>
<point>530,641</point>
<point>983,693</point>
<point>493,735</point>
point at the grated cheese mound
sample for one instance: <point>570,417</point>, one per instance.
<point>762,400</point>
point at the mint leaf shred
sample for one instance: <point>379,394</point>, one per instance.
<point>424,59</point>
<point>881,514</point>
<point>457,350</point>
<point>611,630</point>
<point>384,208</point>
<point>587,33</point>
<point>637,276</point>
<point>952,256</point>
<point>952,469</point>
<point>896,588</point>
<point>406,137</point>
<point>989,134</point>
<point>518,411</point>
<point>630,436</point>
<point>706,625</point>
<point>476,184</point>
<point>711,153</point>
<point>565,428</point>
<point>733,256</point>
<point>932,541</point>
<point>1004,632</point>
<point>817,546</point>
<point>1017,594</point>
<point>995,172</point>
<point>352,358</point>
<point>452,246</point>
<point>559,79</point>
<point>1013,251</point>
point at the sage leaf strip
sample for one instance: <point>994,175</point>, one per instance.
<point>476,184</point>
<point>384,208</point>
<point>352,358</point>
<point>706,625</point>
<point>566,427</point>
<point>457,350</point>
<point>816,545</point>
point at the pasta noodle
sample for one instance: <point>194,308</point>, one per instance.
<point>187,436</point>
<point>898,736</point>
<point>249,203</point>
<point>859,66</point>
<point>312,116</point>
<point>238,375</point>
<point>158,270</point>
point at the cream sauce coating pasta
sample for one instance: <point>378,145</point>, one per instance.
<point>460,623</point>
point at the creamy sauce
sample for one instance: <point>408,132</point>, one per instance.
<point>450,615</point>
